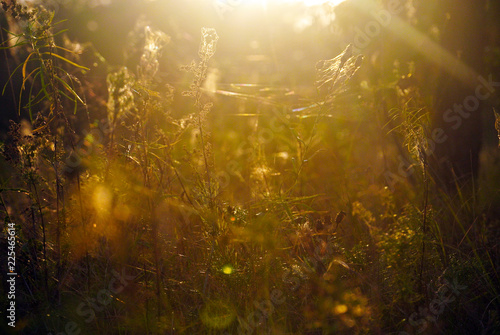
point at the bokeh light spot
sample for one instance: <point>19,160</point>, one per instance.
<point>340,309</point>
<point>217,314</point>
<point>92,25</point>
<point>227,269</point>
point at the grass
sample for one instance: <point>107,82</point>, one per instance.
<point>156,209</point>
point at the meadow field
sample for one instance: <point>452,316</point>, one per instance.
<point>233,167</point>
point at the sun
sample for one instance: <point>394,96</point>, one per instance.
<point>224,7</point>
<point>308,3</point>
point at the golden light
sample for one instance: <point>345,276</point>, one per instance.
<point>302,14</point>
<point>102,200</point>
<point>308,3</point>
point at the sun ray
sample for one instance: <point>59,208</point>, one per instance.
<point>425,45</point>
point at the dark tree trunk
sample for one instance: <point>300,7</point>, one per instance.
<point>460,94</point>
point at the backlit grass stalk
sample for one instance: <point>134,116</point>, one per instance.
<point>206,51</point>
<point>332,76</point>
<point>144,133</point>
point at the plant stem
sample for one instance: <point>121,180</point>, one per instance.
<point>424,222</point>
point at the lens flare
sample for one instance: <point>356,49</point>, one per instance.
<point>217,314</point>
<point>227,269</point>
